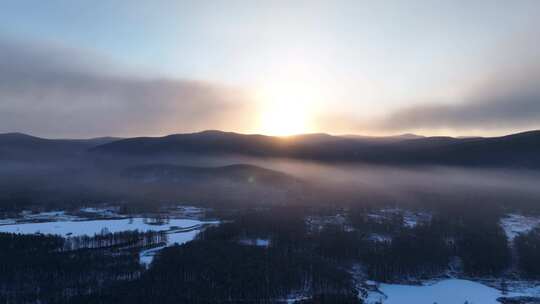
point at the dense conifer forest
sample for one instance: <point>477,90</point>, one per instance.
<point>312,261</point>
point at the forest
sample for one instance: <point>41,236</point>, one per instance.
<point>52,269</point>
<point>309,262</point>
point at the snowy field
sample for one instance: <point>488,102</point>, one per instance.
<point>179,238</point>
<point>178,230</point>
<point>450,291</point>
<point>91,227</point>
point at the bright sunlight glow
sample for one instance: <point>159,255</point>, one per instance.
<point>287,110</point>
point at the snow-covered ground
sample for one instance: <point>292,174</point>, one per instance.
<point>191,211</point>
<point>379,237</point>
<point>255,242</point>
<point>410,218</point>
<point>316,223</point>
<point>178,230</point>
<point>104,212</point>
<point>57,215</point>
<point>174,237</point>
<point>185,211</point>
<point>147,256</point>
<point>8,221</point>
<point>514,224</point>
<point>181,237</point>
<point>91,227</point>
<point>449,291</point>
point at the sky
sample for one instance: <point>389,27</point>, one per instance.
<point>133,68</point>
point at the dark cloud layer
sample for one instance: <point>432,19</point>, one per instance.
<point>506,96</point>
<point>503,105</point>
<point>60,92</point>
<point>500,95</point>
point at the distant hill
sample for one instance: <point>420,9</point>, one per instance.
<point>19,146</point>
<point>521,150</point>
<point>230,185</point>
<point>240,173</point>
<point>207,142</point>
<point>385,138</point>
<point>517,150</point>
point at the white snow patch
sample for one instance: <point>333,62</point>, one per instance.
<point>77,228</point>
<point>179,231</point>
<point>532,291</point>
<point>173,238</point>
<point>181,237</point>
<point>185,211</point>
<point>255,242</point>
<point>147,256</point>
<point>316,223</point>
<point>514,224</point>
<point>378,237</point>
<point>105,212</point>
<point>294,297</point>
<point>450,291</point>
<point>7,221</point>
<point>410,218</point>
<point>47,216</point>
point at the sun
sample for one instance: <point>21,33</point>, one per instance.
<point>286,110</point>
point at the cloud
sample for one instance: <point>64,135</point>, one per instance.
<point>506,96</point>
<point>55,91</point>
<point>501,104</point>
<point>499,95</point>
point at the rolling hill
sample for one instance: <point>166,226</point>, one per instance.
<point>521,150</point>
<point>19,146</point>
<point>239,173</point>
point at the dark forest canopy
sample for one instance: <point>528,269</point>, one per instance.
<point>299,261</point>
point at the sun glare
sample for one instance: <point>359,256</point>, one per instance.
<point>286,110</point>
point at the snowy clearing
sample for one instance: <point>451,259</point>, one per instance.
<point>178,230</point>
<point>514,224</point>
<point>450,291</point>
<point>173,238</point>
<point>91,227</point>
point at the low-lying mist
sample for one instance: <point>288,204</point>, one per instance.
<point>212,181</point>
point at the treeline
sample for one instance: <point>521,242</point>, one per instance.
<point>301,261</point>
<point>125,239</point>
<point>316,261</point>
<point>51,269</point>
<point>528,248</point>
<point>227,272</point>
<point>426,249</point>
<point>217,268</point>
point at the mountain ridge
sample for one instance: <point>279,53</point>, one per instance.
<point>514,150</point>
<point>518,150</point>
